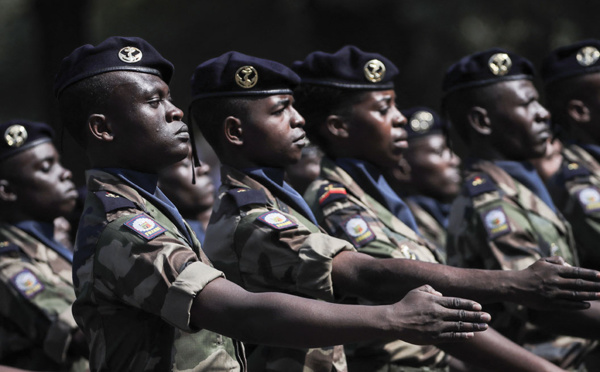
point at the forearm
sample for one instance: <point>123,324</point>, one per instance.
<point>581,323</point>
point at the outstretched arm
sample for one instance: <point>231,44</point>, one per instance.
<point>424,316</point>
<point>548,284</point>
<point>585,323</point>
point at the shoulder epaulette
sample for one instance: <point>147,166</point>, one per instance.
<point>243,196</point>
<point>113,202</point>
<point>479,184</point>
<point>331,192</point>
<point>7,247</point>
<point>573,169</point>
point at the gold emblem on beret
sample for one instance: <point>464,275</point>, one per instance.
<point>374,70</point>
<point>573,166</point>
<point>15,135</point>
<point>587,56</point>
<point>500,64</point>
<point>246,77</point>
<point>421,121</point>
<point>130,54</point>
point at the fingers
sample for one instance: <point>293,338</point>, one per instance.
<point>460,303</point>
<point>581,273</point>
<point>429,289</point>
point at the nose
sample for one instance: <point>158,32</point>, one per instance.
<point>297,120</point>
<point>399,119</point>
<point>542,114</point>
<point>65,174</point>
<point>174,113</point>
<point>202,169</point>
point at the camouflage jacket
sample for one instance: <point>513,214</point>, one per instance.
<point>345,211</point>
<point>429,227</point>
<point>35,311</point>
<point>575,189</point>
<point>263,245</point>
<point>136,277</point>
<point>497,223</point>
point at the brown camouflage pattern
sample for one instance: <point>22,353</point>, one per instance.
<point>134,295</point>
<point>429,228</point>
<point>393,239</point>
<point>260,258</point>
<point>37,322</point>
<point>534,231</point>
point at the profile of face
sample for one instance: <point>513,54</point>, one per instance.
<point>39,187</point>
<point>302,173</point>
<point>587,110</point>
<point>434,168</point>
<point>375,129</point>
<point>519,123</point>
<point>550,163</point>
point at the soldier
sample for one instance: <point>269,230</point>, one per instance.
<point>571,77</point>
<point>504,217</point>
<point>148,298</point>
<point>264,236</point>
<point>37,330</point>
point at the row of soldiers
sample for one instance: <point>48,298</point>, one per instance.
<point>341,278</point>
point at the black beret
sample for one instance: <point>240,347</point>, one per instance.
<point>20,135</point>
<point>348,68</point>
<point>580,58</point>
<point>422,121</point>
<point>116,53</point>
<point>237,74</point>
<point>488,67</point>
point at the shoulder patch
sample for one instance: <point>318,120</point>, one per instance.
<point>145,226</point>
<point>27,283</point>
<point>245,197</point>
<point>6,247</point>
<point>113,202</point>
<point>479,184</point>
<point>331,192</point>
<point>495,222</point>
<point>276,220</point>
<point>358,231</point>
<point>573,169</point>
<point>589,198</point>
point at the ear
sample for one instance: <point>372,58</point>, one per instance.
<point>479,120</point>
<point>336,126</point>
<point>233,130</point>
<point>578,111</point>
<point>100,128</point>
<point>7,193</point>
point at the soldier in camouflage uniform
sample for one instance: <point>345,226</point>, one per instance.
<point>504,218</point>
<point>148,299</point>
<point>37,330</point>
<point>348,99</point>
<point>571,77</point>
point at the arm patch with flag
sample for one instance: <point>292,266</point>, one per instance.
<point>331,192</point>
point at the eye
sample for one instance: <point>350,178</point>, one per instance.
<point>46,166</point>
<point>155,102</point>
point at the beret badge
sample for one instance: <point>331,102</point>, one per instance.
<point>421,121</point>
<point>587,55</point>
<point>374,70</point>
<point>15,135</point>
<point>246,77</point>
<point>500,64</point>
<point>130,54</point>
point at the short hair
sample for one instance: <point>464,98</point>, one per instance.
<point>316,102</point>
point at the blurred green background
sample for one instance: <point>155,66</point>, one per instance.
<point>423,37</point>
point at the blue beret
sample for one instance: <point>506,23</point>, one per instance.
<point>237,74</point>
<point>576,59</point>
<point>488,67</point>
<point>348,68</point>
<point>422,121</point>
<point>20,135</point>
<point>116,53</point>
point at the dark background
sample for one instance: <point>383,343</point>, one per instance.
<point>423,37</point>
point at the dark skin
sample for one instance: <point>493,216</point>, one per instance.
<point>582,108</point>
<point>140,104</point>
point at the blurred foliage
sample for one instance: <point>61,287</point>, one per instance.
<point>423,37</point>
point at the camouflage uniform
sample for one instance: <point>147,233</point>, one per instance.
<point>497,223</point>
<point>576,191</point>
<point>37,292</point>
<point>136,277</point>
<point>345,211</point>
<point>430,228</point>
<point>262,244</point>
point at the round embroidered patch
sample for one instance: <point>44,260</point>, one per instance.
<point>589,199</point>
<point>495,219</point>
<point>27,283</point>
<point>356,227</point>
<point>145,226</point>
<point>277,220</point>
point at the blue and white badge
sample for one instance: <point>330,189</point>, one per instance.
<point>358,231</point>
<point>145,226</point>
<point>27,283</point>
<point>589,198</point>
<point>496,222</point>
<point>277,220</point>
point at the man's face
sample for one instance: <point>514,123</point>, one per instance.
<point>273,135</point>
<point>520,124</point>
<point>375,129</point>
<point>592,102</point>
<point>148,132</point>
<point>43,187</point>
<point>433,167</point>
